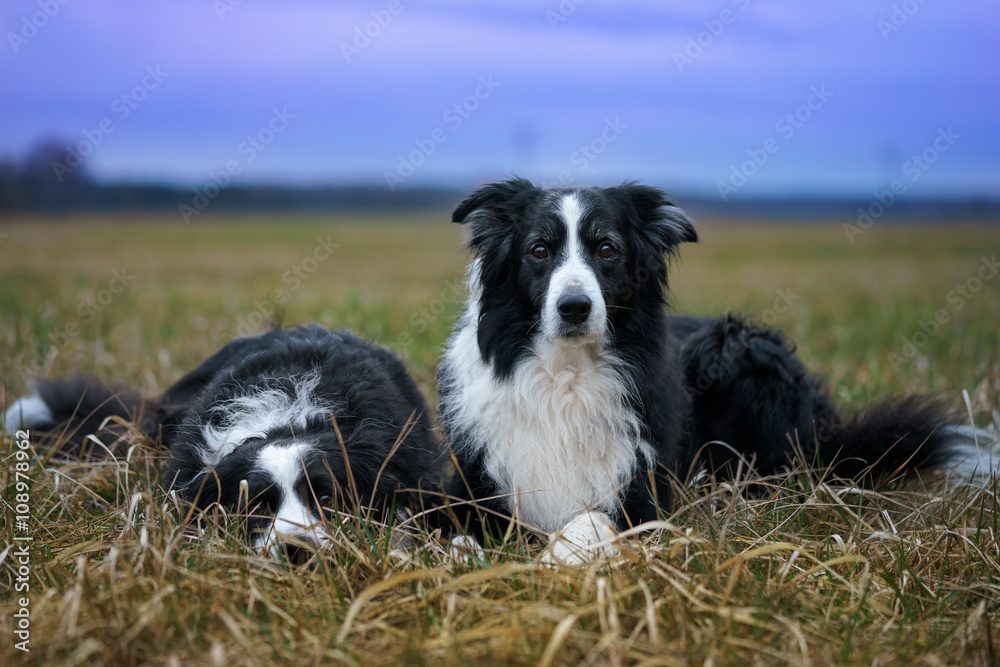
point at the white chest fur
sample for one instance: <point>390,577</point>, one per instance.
<point>558,436</point>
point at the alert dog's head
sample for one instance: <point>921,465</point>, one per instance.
<point>570,265</point>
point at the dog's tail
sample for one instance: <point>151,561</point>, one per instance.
<point>66,412</point>
<point>899,435</point>
<point>753,400</point>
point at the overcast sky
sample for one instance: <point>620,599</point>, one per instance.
<point>676,94</point>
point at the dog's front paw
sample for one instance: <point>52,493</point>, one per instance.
<point>583,540</point>
<point>463,547</point>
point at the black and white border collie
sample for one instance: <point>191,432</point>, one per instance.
<point>310,420</point>
<point>570,397</point>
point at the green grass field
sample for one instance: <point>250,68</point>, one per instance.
<point>802,573</point>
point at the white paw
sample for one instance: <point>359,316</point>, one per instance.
<point>585,539</point>
<point>28,412</point>
<point>463,547</point>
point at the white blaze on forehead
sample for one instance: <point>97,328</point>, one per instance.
<point>573,274</point>
<point>285,465</point>
<point>571,212</point>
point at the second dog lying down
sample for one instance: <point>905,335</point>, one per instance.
<point>268,410</point>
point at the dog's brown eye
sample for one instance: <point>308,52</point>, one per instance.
<point>326,500</point>
<point>540,252</point>
<point>606,251</point>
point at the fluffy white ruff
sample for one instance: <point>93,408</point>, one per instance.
<point>256,413</point>
<point>558,437</point>
<point>27,413</point>
<point>586,538</point>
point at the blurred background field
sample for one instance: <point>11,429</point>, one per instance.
<point>144,303</point>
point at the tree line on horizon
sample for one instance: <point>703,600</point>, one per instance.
<point>52,179</point>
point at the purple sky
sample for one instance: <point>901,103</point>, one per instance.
<point>683,125</point>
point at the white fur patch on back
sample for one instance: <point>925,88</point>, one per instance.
<point>559,436</point>
<point>257,412</point>
<point>26,413</point>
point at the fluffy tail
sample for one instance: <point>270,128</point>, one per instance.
<point>752,398</point>
<point>64,411</point>
<point>899,435</point>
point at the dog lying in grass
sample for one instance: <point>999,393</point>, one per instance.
<point>571,399</point>
<point>281,429</point>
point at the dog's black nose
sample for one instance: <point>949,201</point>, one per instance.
<point>574,308</point>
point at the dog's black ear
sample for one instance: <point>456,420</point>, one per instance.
<point>657,229</point>
<point>499,200</point>
<point>665,224</point>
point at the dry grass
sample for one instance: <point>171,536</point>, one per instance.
<point>789,571</point>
